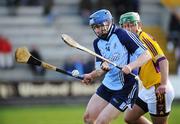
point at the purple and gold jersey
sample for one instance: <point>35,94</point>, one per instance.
<point>149,72</point>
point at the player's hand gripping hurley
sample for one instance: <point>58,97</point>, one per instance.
<point>71,42</point>
<point>22,55</point>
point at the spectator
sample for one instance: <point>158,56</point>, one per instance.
<point>30,2</point>
<point>174,35</point>
<point>123,6</point>
<point>47,11</point>
<point>174,29</point>
<point>36,70</point>
<point>85,8</point>
<point>74,62</point>
<point>103,4</point>
<point>6,58</point>
<point>12,5</point>
<point>2,58</point>
<point>89,65</point>
<point>177,55</point>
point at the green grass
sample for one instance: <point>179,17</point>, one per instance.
<point>58,115</point>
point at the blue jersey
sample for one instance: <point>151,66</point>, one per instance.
<point>118,47</point>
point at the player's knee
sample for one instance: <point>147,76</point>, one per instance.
<point>160,120</point>
<point>102,121</point>
<point>87,119</point>
<point>128,120</point>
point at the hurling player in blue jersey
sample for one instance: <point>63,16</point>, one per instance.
<point>118,89</point>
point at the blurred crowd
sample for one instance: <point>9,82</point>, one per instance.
<point>173,29</point>
<point>6,55</point>
<point>27,2</point>
<point>83,65</point>
<point>86,7</point>
<point>117,7</point>
<point>47,7</point>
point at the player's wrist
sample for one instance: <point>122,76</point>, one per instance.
<point>163,83</point>
<point>93,74</point>
<point>128,67</point>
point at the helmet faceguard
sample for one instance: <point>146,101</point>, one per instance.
<point>101,22</point>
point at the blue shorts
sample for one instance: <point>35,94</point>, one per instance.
<point>121,99</point>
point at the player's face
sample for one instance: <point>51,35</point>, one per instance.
<point>130,27</point>
<point>101,29</point>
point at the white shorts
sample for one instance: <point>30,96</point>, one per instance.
<point>156,105</point>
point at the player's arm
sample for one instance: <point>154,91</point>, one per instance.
<point>163,63</point>
<point>88,78</point>
<point>164,70</point>
<point>134,46</point>
<point>98,72</point>
<point>159,58</point>
<point>143,58</point>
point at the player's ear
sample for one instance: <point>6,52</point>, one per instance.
<point>140,24</point>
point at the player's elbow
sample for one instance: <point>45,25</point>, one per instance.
<point>147,56</point>
<point>167,61</point>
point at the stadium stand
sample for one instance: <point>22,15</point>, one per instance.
<point>29,28</point>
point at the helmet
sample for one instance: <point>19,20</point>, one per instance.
<point>102,19</point>
<point>100,16</point>
<point>129,17</point>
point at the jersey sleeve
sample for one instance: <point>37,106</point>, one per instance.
<point>98,61</point>
<point>131,42</point>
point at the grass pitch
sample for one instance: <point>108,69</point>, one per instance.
<point>59,115</point>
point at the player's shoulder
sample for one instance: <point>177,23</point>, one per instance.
<point>147,36</point>
<point>124,33</point>
<point>120,31</point>
<point>96,42</point>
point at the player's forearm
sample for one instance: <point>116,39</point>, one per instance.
<point>164,70</point>
<point>142,59</point>
<point>97,73</point>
